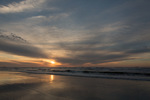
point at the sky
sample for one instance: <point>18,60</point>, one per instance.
<point>74,33</point>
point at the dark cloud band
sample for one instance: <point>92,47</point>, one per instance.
<point>15,45</point>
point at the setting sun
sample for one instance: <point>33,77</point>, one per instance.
<point>52,62</point>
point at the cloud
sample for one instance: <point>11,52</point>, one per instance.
<point>99,56</point>
<point>79,32</point>
<point>21,6</point>
<point>12,37</point>
<point>94,58</point>
<point>21,64</point>
<point>16,45</point>
<point>49,18</point>
<point>119,44</point>
<point>139,50</point>
<point>113,27</point>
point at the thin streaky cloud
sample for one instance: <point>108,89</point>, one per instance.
<point>21,6</point>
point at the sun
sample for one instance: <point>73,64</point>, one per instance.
<point>52,62</point>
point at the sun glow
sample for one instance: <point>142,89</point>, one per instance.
<point>52,62</point>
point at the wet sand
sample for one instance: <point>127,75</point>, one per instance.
<point>23,86</point>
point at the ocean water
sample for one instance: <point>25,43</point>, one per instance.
<point>23,86</point>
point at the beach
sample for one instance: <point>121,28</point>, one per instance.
<point>24,86</point>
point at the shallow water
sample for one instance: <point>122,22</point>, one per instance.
<point>22,86</point>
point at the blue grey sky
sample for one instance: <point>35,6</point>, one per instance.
<point>75,32</point>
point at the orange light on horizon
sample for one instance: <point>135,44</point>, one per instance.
<point>52,62</point>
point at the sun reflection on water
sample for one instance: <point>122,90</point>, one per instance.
<point>51,78</point>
